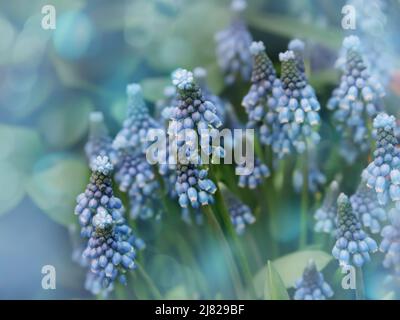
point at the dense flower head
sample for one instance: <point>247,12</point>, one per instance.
<point>135,176</point>
<point>165,105</point>
<point>298,109</point>
<point>355,101</point>
<point>233,45</point>
<point>325,216</point>
<point>367,208</point>
<point>256,177</point>
<point>200,75</point>
<point>383,173</point>
<point>193,187</point>
<point>260,102</point>
<point>297,47</point>
<point>110,247</point>
<point>137,124</point>
<point>312,285</point>
<point>99,142</point>
<point>240,213</point>
<point>353,245</point>
<point>390,244</point>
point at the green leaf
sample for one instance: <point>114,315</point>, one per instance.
<point>153,88</point>
<point>11,186</point>
<point>55,183</point>
<point>65,125</point>
<point>290,28</point>
<point>274,288</point>
<point>391,295</point>
<point>176,293</point>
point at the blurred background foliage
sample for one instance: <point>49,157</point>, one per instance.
<point>50,80</point>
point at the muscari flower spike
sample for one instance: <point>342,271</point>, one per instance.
<point>390,244</point>
<point>233,44</point>
<point>312,285</point>
<point>110,248</point>
<point>298,110</point>
<point>240,213</point>
<point>367,208</point>
<point>138,122</point>
<point>99,142</point>
<point>255,177</point>
<point>325,216</point>
<point>135,176</point>
<point>383,173</point>
<point>261,101</point>
<point>298,46</point>
<point>353,245</point>
<point>192,111</point>
<point>355,101</point>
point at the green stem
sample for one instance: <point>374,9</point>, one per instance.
<point>359,284</point>
<point>226,249</point>
<point>153,288</point>
<point>304,203</point>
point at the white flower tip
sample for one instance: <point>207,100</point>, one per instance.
<point>383,120</point>
<point>286,56</point>
<point>200,73</point>
<point>296,45</point>
<point>238,5</point>
<point>181,77</point>
<point>257,47</point>
<point>102,165</point>
<point>342,199</point>
<point>133,89</point>
<point>351,42</point>
<point>96,116</point>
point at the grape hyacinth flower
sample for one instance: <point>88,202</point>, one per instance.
<point>325,216</point>
<point>390,244</point>
<point>135,176</point>
<point>255,178</point>
<point>165,105</point>
<point>110,249</point>
<point>193,112</point>
<point>355,101</point>
<point>240,214</point>
<point>312,285</point>
<point>200,75</point>
<point>261,101</point>
<point>353,245</point>
<point>383,173</point>
<point>233,44</point>
<point>297,46</point>
<point>367,208</point>
<point>298,110</point>
<point>99,142</point>
<point>137,124</point>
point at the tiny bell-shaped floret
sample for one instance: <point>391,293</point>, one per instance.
<point>325,216</point>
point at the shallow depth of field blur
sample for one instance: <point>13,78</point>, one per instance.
<point>50,81</point>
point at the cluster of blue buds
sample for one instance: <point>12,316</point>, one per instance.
<point>134,132</point>
<point>192,111</point>
<point>254,178</point>
<point>383,173</point>
<point>353,245</point>
<point>390,244</point>
<point>367,208</point>
<point>298,109</point>
<point>233,44</point>
<point>355,101</point>
<point>325,216</point>
<point>312,285</point>
<point>99,142</point>
<point>165,105</point>
<point>240,213</point>
<point>110,248</point>
<point>298,46</point>
<point>135,176</point>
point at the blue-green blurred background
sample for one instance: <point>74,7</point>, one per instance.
<point>50,80</point>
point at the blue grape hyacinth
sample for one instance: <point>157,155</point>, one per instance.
<point>298,110</point>
<point>383,173</point>
<point>325,216</point>
<point>353,245</point>
<point>298,46</point>
<point>110,249</point>
<point>312,285</point>
<point>256,177</point>
<point>233,44</point>
<point>99,142</point>
<point>390,244</point>
<point>240,214</point>
<point>355,101</point>
<point>367,208</point>
<point>136,126</point>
